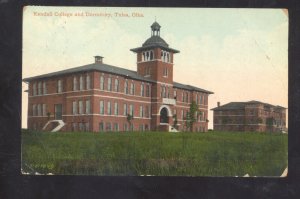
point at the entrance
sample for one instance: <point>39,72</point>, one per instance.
<point>164,115</point>
<point>58,111</point>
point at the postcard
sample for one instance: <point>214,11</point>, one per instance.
<point>112,91</point>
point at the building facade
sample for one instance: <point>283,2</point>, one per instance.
<point>100,97</point>
<point>249,116</point>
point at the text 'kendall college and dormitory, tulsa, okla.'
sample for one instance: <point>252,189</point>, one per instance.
<point>101,97</point>
<point>87,14</point>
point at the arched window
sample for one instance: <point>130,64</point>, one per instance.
<point>151,55</point>
<point>164,115</point>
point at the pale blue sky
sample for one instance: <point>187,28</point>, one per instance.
<point>240,54</point>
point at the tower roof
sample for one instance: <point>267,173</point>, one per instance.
<point>155,26</point>
<point>155,41</point>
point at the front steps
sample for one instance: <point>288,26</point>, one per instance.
<point>57,128</point>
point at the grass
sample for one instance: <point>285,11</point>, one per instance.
<point>155,153</point>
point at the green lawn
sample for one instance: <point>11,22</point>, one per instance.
<point>155,153</point>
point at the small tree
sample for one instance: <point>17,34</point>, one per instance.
<point>48,115</point>
<point>175,121</point>
<point>129,120</point>
<point>191,115</point>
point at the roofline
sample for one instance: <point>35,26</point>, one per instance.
<point>48,75</point>
<point>245,103</point>
<point>153,46</point>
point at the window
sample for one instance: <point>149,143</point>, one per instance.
<point>148,71</point>
<point>164,91</point>
<point>33,110</point>
<point>74,107</point>
<point>74,126</point>
<point>187,97</point>
<point>116,108</point>
<point>101,126</point>
<point>182,97</point>
<point>87,126</point>
<point>102,83</point>
<point>125,128</point>
<point>142,89</point>
<point>165,56</point>
<point>148,91</point>
<point>196,100</point>
<point>109,86</point>
<point>80,107</point>
<point>148,55</point>
<point>132,89</point>
<point>39,108</point>
<point>126,87</point>
<point>131,109</point>
<point>125,109</point>
<point>108,126</point>
<point>87,107</point>
<point>34,89</point>
<point>175,93</point>
<point>88,82</point>
<point>39,88</point>
<point>75,84</point>
<point>81,126</point>
<point>116,127</point>
<point>201,99</point>
<point>141,111</point>
<point>108,108</point>
<point>81,83</point>
<point>44,110</point>
<point>168,92</point>
<point>165,72</point>
<point>102,107</point>
<point>59,86</point>
<point>116,85</point>
<point>182,115</point>
<point>44,88</point>
<point>147,111</point>
<point>141,127</point>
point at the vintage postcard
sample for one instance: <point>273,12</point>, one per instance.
<point>155,91</point>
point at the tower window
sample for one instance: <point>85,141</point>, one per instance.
<point>148,55</point>
<point>165,56</point>
<point>165,73</point>
<point>102,83</point>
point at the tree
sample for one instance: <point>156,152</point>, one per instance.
<point>175,121</point>
<point>191,115</point>
<point>129,119</point>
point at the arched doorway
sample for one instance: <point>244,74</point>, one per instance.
<point>164,115</point>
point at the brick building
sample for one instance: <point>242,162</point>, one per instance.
<point>101,97</point>
<point>249,116</point>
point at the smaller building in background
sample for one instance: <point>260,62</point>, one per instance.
<point>249,116</point>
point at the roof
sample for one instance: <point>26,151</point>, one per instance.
<point>113,70</point>
<point>189,87</point>
<point>94,67</point>
<point>241,105</point>
<point>155,26</point>
<point>155,40</point>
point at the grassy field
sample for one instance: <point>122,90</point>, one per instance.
<point>155,153</point>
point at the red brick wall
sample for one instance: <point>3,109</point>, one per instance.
<point>95,94</point>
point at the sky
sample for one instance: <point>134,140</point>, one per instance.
<point>239,54</point>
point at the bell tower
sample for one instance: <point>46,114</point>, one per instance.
<point>155,61</point>
<point>155,58</point>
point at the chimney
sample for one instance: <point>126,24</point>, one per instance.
<point>219,104</point>
<point>98,59</point>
